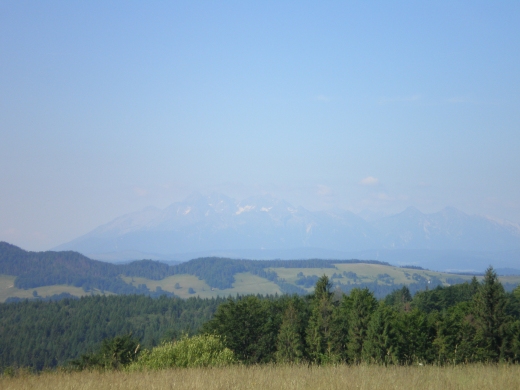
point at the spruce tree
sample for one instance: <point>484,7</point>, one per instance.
<point>381,345</point>
<point>289,344</point>
<point>363,304</point>
<point>490,316</point>
<point>418,332</point>
<point>455,333</point>
<point>320,323</point>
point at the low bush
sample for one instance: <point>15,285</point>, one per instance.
<point>197,351</point>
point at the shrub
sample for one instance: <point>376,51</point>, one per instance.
<point>197,351</point>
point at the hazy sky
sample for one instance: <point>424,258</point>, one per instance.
<point>107,107</point>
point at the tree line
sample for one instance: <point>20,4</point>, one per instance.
<point>464,323</point>
<point>470,322</point>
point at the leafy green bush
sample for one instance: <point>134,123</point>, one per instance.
<point>197,351</point>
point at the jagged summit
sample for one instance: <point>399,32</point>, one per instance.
<point>202,224</point>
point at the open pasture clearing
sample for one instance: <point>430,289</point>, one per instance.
<point>7,290</point>
<point>367,273</point>
<point>474,377</point>
<point>245,283</point>
<point>371,272</point>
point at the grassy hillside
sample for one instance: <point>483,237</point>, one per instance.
<point>8,290</point>
<point>245,283</point>
<point>53,273</point>
<point>365,275</point>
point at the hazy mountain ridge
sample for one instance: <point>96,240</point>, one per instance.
<point>217,223</point>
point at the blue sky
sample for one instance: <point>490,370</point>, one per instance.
<point>107,107</point>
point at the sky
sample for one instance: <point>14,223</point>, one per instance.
<point>107,107</point>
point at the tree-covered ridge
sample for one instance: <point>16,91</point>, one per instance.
<point>36,269</point>
<point>217,276</point>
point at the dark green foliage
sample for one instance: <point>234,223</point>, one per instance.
<point>471,322</point>
<point>455,335</point>
<point>290,289</point>
<point>350,275</point>
<point>145,269</point>
<point>489,307</point>
<point>55,297</point>
<point>307,281</point>
<point>417,331</point>
<point>36,269</point>
<point>219,272</point>
<point>320,328</point>
<point>362,305</point>
<point>289,343</point>
<point>512,350</point>
<point>41,334</point>
<point>323,289</point>
<point>216,272</point>
<point>249,327</point>
<point>442,298</point>
<point>382,344</point>
<point>379,290</point>
<point>114,353</point>
<point>399,299</point>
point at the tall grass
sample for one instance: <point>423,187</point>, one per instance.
<point>272,377</point>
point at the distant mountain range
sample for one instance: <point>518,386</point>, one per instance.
<point>267,228</point>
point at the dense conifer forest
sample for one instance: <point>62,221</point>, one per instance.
<point>468,322</point>
<point>41,334</point>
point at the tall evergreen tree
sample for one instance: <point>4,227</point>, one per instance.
<point>323,289</point>
<point>490,317</point>
<point>399,299</point>
<point>246,327</point>
<point>417,330</point>
<point>363,304</point>
<point>289,345</point>
<point>381,345</point>
<point>319,330</point>
<point>340,326</point>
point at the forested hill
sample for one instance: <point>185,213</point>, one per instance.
<point>464,323</point>
<point>16,261</point>
<point>36,269</point>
